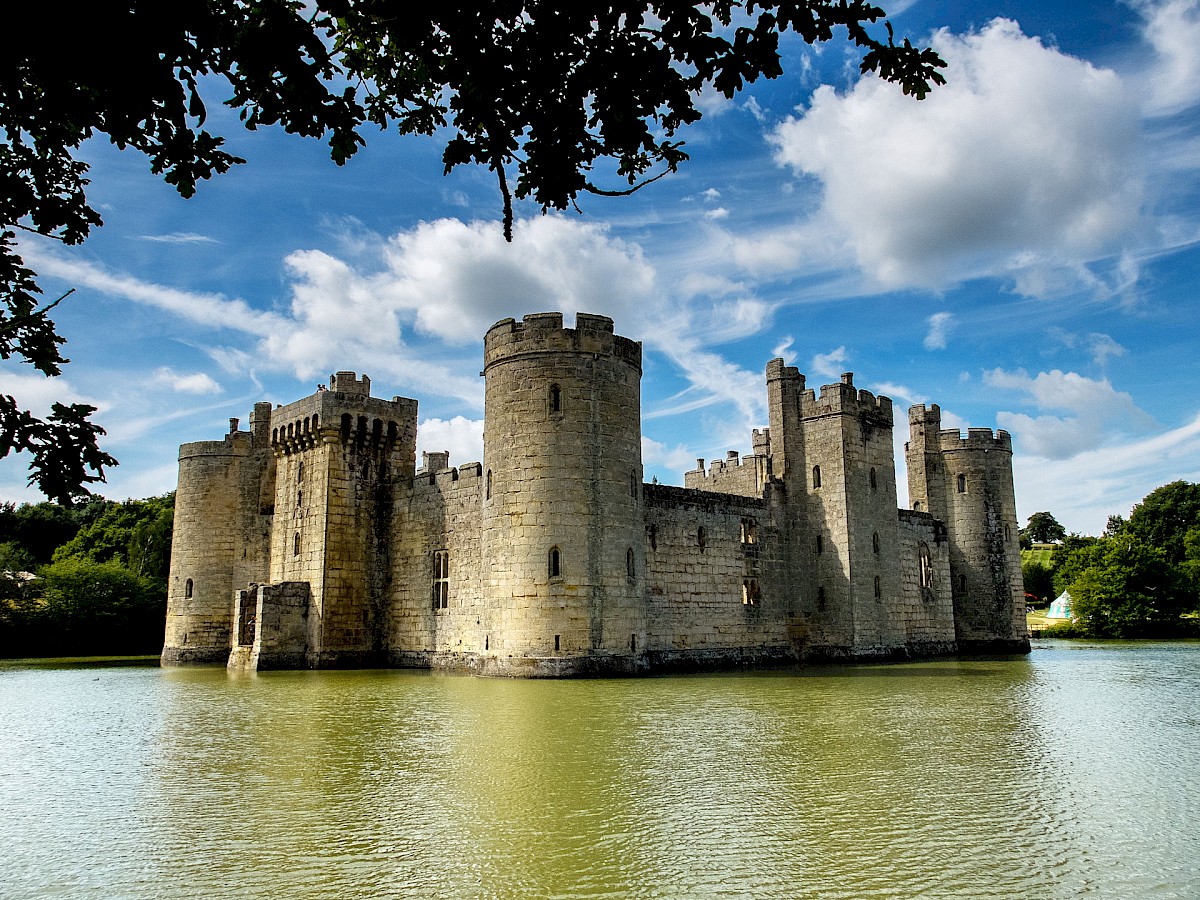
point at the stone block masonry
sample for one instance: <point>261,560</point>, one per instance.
<point>314,540</point>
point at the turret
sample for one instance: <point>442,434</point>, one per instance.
<point>985,551</point>
<point>563,542</point>
<point>219,542</point>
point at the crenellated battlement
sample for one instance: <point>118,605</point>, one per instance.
<point>950,439</point>
<point>844,399</point>
<point>467,477</point>
<point>540,333</point>
<point>920,414</point>
<point>346,413</point>
<point>347,383</point>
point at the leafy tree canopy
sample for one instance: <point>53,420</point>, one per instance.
<point>1129,589</point>
<point>1043,528</point>
<point>544,90</point>
<point>1165,516</point>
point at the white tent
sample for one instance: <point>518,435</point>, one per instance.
<point>1060,608</point>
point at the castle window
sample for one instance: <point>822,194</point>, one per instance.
<point>820,545</point>
<point>557,641</point>
<point>962,585</point>
<point>316,420</point>
<point>300,471</point>
<point>878,591</point>
<point>299,500</point>
<point>750,595</point>
<point>1007,533</point>
<point>926,563</point>
<point>441,579</point>
<point>296,545</point>
<point>366,473</point>
<point>633,643</point>
<point>187,589</point>
<point>630,568</point>
<point>962,484</point>
<point>652,536</point>
<point>749,531</point>
<point>820,598</point>
<point>346,426</point>
<point>555,563</point>
<point>633,485</point>
<point>874,480</point>
<point>700,537</point>
<point>487,491</point>
<point>816,476</point>
<point>875,541</point>
<point>555,398</point>
<point>916,506</point>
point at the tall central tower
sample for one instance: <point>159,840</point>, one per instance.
<point>563,543</point>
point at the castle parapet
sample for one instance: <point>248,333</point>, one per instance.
<point>345,413</point>
<point>844,399</point>
<point>544,333</point>
<point>950,439</point>
<point>347,383</point>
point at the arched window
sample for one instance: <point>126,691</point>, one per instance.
<point>962,585</point>
<point>700,537</point>
<point>878,592</point>
<point>874,480</point>
<point>441,579</point>
<point>187,589</point>
<point>630,569</point>
<point>296,545</point>
<point>555,563</point>
<point>555,398</point>
<point>875,541</point>
<point>487,491</point>
<point>816,476</point>
<point>916,506</point>
<point>962,484</point>
<point>926,564</point>
<point>1007,533</point>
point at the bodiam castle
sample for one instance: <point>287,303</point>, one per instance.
<point>313,540</point>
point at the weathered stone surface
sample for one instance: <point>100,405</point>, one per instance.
<point>552,558</point>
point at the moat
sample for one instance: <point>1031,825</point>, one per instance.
<point>1073,770</point>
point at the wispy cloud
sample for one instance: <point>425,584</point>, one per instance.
<point>180,237</point>
<point>939,326</point>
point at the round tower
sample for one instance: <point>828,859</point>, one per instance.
<point>563,542</point>
<point>985,549</point>
<point>208,506</point>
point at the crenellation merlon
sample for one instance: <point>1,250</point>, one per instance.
<point>347,383</point>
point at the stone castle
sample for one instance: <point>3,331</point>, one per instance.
<point>313,540</point>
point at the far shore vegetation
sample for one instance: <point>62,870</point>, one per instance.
<point>91,579</point>
<point>1140,579</point>
<point>84,580</point>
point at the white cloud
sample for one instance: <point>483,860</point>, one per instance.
<point>197,383</point>
<point>180,237</point>
<point>675,460</point>
<point>783,350</point>
<point>1024,160</point>
<point>719,213</point>
<point>711,194</point>
<point>463,437</point>
<point>37,393</point>
<point>939,326</point>
<point>1095,412</point>
<point>831,364</point>
<point>1172,28</point>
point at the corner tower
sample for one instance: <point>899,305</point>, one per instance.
<point>968,484</point>
<point>563,542</point>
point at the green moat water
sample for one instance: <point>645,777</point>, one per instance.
<point>1073,771</point>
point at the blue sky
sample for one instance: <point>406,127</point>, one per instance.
<point>1022,248</point>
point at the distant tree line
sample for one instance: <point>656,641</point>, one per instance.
<point>1141,578</point>
<point>89,579</point>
